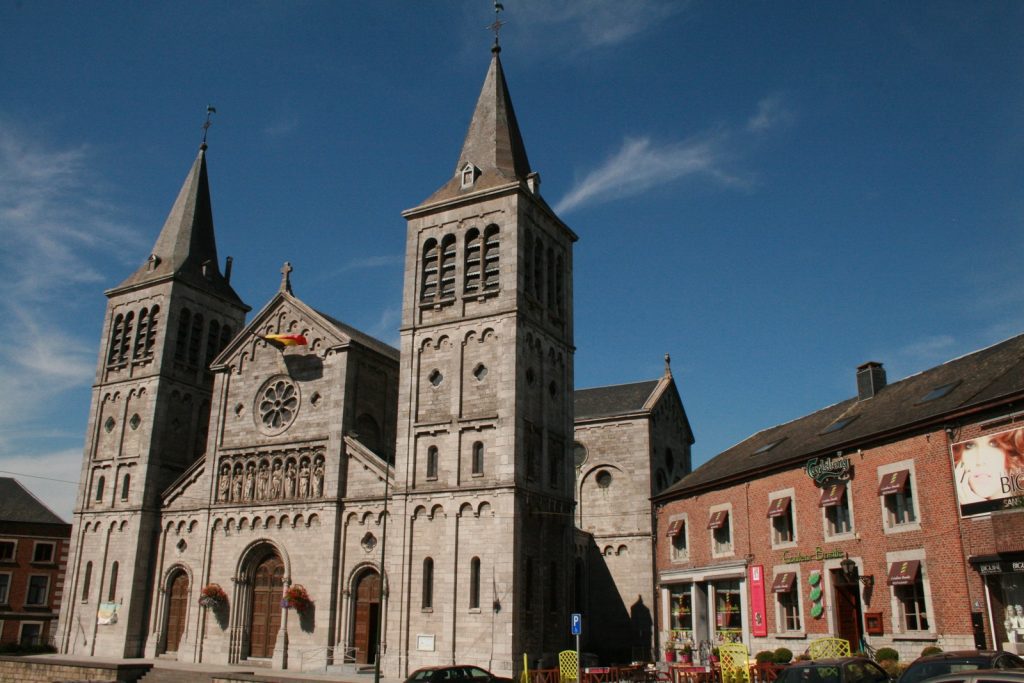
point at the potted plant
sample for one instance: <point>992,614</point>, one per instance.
<point>296,598</point>
<point>686,654</point>
<point>212,596</point>
<point>714,655</point>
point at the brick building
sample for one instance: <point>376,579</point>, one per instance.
<point>894,516</point>
<point>33,556</point>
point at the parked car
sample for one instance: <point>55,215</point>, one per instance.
<point>982,676</point>
<point>834,670</point>
<point>958,661</point>
<point>454,674</point>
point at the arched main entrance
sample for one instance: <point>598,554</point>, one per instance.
<point>366,617</point>
<point>177,611</point>
<point>265,620</point>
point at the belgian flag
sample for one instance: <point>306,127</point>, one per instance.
<point>282,340</point>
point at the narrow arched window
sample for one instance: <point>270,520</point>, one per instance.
<point>100,485</point>
<point>151,330</point>
<point>115,339</point>
<point>478,458</point>
<point>428,584</point>
<point>550,280</point>
<point>448,267</point>
<point>226,335</point>
<point>473,262</point>
<point>560,285</point>
<point>139,349</point>
<point>112,591</point>
<point>86,581</point>
<point>125,486</point>
<point>126,337</point>
<point>195,339</point>
<point>528,260</point>
<point>538,270</point>
<point>181,340</point>
<point>491,261</point>
<point>474,583</point>
<point>212,339</point>
<point>432,462</point>
<point>428,288</point>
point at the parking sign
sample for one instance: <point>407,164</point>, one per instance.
<point>577,624</point>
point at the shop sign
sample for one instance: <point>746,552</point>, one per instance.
<point>989,568</point>
<point>759,627</point>
<point>827,469</point>
<point>817,556</point>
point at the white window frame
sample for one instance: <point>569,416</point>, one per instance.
<point>728,525</point>
<point>889,526</point>
<point>845,535</point>
<point>780,621</point>
<point>40,624</point>
<point>5,598</point>
<point>14,549</point>
<point>46,593</point>
<point>53,552</point>
<point>791,511</point>
<point>674,553</point>
<point>899,631</point>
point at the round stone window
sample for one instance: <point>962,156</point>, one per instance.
<point>277,403</point>
<point>603,479</point>
<point>369,542</point>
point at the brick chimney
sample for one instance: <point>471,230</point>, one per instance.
<point>870,379</point>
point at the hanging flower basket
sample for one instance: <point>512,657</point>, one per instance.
<point>296,598</point>
<point>212,596</point>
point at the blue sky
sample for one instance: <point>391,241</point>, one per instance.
<point>771,192</point>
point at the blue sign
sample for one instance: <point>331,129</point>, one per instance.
<point>577,624</point>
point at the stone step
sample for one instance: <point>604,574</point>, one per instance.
<point>156,675</point>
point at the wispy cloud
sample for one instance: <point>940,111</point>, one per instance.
<point>597,23</point>
<point>281,127</point>
<point>386,327</point>
<point>642,164</point>
<point>55,228</point>
<point>362,263</point>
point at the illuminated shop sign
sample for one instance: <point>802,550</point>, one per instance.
<point>817,556</point>
<point>989,472</point>
<point>822,470</point>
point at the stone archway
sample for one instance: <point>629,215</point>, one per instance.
<point>265,606</point>
<point>177,610</point>
<point>366,614</point>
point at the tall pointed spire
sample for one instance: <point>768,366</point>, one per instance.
<point>186,248</point>
<point>493,152</point>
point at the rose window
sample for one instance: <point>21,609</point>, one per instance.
<point>277,404</point>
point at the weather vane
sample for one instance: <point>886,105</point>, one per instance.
<point>498,23</point>
<point>206,126</point>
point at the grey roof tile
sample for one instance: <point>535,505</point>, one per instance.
<point>17,504</point>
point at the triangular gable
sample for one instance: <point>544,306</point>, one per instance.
<point>174,496</point>
<point>366,471</point>
<point>283,314</point>
<point>668,391</point>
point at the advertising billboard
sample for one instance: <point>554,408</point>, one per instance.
<point>989,472</point>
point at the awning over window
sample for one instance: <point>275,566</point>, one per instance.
<point>832,495</point>
<point>779,507</point>
<point>904,573</point>
<point>674,528</point>
<point>894,482</point>
<point>784,582</point>
<point>718,519</point>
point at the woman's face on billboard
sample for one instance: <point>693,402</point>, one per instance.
<point>982,465</point>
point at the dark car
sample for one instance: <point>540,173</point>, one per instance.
<point>944,663</point>
<point>982,676</point>
<point>459,672</point>
<point>837,670</point>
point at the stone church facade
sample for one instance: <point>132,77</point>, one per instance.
<point>434,492</point>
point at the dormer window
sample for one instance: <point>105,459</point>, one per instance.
<point>468,175</point>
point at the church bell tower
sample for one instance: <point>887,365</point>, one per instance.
<point>148,421</point>
<point>479,555</point>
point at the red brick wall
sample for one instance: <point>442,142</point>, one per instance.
<point>15,611</point>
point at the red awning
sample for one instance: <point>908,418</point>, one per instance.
<point>674,528</point>
<point>894,482</point>
<point>784,582</point>
<point>832,495</point>
<point>779,507</point>
<point>904,573</point>
<point>718,519</point>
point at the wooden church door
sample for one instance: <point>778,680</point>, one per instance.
<point>367,614</point>
<point>177,611</point>
<point>268,587</point>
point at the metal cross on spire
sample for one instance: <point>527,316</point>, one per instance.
<point>210,110</point>
<point>498,23</point>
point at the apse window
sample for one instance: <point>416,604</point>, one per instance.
<point>435,378</point>
<point>603,479</point>
<point>480,372</point>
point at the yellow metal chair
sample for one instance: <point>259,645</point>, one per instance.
<point>828,647</point>
<point>734,661</point>
<point>568,666</point>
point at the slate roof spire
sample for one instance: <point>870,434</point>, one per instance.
<point>186,248</point>
<point>493,146</point>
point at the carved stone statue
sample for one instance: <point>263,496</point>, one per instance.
<point>318,480</point>
<point>304,480</point>
<point>276,482</point>
<point>289,481</point>
<point>250,482</point>
<point>224,484</point>
<point>262,482</point>
<point>236,486</point>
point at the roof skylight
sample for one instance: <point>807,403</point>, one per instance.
<point>839,424</point>
<point>939,392</point>
<point>768,446</point>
